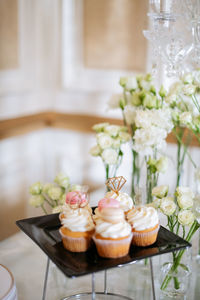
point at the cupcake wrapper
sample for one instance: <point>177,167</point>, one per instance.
<point>113,248</point>
<point>145,238</point>
<point>74,244</point>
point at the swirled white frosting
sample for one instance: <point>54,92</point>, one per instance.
<point>126,202</point>
<point>78,220</point>
<point>143,217</point>
<point>110,230</point>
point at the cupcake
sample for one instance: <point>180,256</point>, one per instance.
<point>145,225</point>
<point>73,200</point>
<point>77,226</point>
<point>112,233</point>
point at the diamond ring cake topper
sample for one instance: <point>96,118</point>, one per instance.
<point>77,199</point>
<point>116,183</point>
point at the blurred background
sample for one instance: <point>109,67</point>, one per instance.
<point>60,62</point>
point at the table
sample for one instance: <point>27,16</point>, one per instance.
<point>28,263</point>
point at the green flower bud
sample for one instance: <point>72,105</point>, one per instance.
<point>136,99</point>
<point>36,188</point>
<point>162,92</point>
<point>55,193</point>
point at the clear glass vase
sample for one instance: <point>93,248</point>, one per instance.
<point>175,274</point>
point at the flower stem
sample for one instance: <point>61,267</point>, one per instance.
<point>177,259</point>
<point>44,210</point>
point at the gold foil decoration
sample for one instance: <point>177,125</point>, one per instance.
<point>116,183</point>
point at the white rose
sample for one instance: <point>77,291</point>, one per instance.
<point>185,118</point>
<point>112,130</point>
<point>184,197</point>
<point>55,193</point>
<point>150,101</point>
<point>109,156</point>
<point>104,140</point>
<point>143,119</point>
<point>95,150</point>
<point>167,206</point>
<point>62,180</point>
<point>160,191</point>
<point>129,114</point>
<point>36,200</point>
<point>189,89</point>
<point>162,118</point>
<point>186,217</point>
<point>36,188</point>
<point>162,164</point>
<point>100,127</point>
<point>131,84</point>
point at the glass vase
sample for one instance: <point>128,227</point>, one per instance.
<point>175,274</point>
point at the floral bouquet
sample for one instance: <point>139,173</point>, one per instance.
<point>149,118</point>
<point>53,194</point>
<point>180,212</point>
<point>109,139</point>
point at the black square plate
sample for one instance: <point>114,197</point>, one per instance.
<point>44,232</point>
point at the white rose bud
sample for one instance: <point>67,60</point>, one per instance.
<point>55,193</point>
<point>186,217</point>
<point>135,99</point>
<point>131,84</point>
<point>36,200</point>
<point>162,164</point>
<point>189,89</point>
<point>36,188</point>
<point>62,180</point>
<point>167,206</point>
<point>185,118</point>
<point>110,156</point>
<point>184,197</point>
<point>112,130</point>
<point>149,101</point>
<point>100,127</point>
<point>104,140</point>
<point>160,191</point>
<point>146,85</point>
<point>95,150</point>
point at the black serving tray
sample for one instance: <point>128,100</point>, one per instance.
<point>44,232</point>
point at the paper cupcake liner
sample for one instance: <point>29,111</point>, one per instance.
<point>113,248</point>
<point>76,244</point>
<point>145,238</point>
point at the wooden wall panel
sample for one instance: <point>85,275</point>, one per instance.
<point>8,34</point>
<point>113,37</point>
